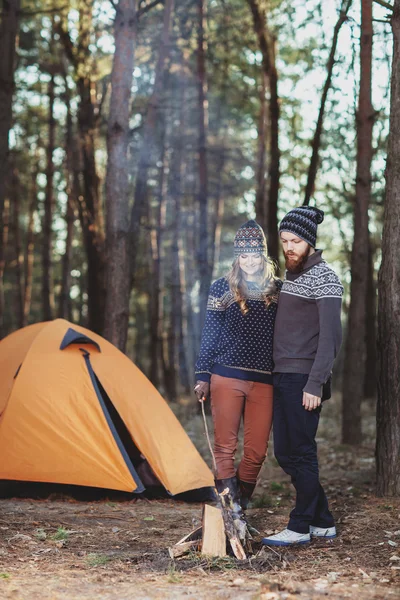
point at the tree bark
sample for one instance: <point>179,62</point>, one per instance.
<point>147,154</point>
<point>388,408</point>
<point>4,242</point>
<point>371,363</point>
<point>47,280</point>
<point>355,357</point>
<point>64,306</point>
<point>316,143</point>
<point>156,295</point>
<point>205,269</point>
<point>30,246</point>
<point>261,197</point>
<point>180,368</point>
<point>15,194</point>
<point>117,179</point>
<point>8,35</point>
<point>90,201</point>
<point>267,45</point>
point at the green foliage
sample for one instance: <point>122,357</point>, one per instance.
<point>61,534</point>
<point>97,560</point>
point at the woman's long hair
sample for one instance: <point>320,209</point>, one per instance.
<point>238,285</point>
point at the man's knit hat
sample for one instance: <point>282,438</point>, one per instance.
<point>303,222</point>
<point>250,238</point>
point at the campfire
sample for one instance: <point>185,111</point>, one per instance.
<point>222,531</point>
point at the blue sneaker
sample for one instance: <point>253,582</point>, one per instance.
<point>286,538</point>
<point>323,532</point>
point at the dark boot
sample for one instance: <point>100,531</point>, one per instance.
<point>246,491</point>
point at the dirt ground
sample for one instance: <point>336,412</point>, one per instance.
<point>61,548</point>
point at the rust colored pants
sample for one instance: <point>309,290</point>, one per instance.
<point>230,399</point>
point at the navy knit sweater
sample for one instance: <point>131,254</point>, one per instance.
<point>233,344</point>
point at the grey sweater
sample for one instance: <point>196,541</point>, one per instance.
<point>308,331</point>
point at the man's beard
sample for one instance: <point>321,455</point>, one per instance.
<point>295,264</point>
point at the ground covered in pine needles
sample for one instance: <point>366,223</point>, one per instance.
<point>63,548</point>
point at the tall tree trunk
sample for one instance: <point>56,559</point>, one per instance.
<point>388,409</point>
<point>30,245</point>
<point>205,269</point>
<point>178,356</point>
<point>261,196</point>
<point>371,370</point>
<point>156,296</point>
<point>355,357</point>
<point>147,153</point>
<point>92,211</point>
<point>47,279</point>
<point>316,143</point>
<point>64,306</point>
<point>222,126</point>
<point>267,45</point>
<point>9,26</point>
<point>8,35</point>
<point>4,233</point>
<point>117,180</point>
<point>90,202</point>
<point>15,196</point>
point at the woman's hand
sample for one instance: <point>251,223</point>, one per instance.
<point>202,390</point>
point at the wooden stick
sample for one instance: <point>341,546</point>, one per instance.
<point>208,439</point>
<point>181,549</point>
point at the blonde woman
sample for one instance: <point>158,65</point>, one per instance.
<point>235,361</point>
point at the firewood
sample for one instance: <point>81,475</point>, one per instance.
<point>214,539</point>
<point>183,548</point>
<point>230,527</point>
<point>196,534</point>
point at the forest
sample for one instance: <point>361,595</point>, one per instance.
<point>137,136</point>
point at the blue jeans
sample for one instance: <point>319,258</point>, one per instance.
<point>295,448</point>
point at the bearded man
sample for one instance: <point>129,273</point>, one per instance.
<point>307,338</point>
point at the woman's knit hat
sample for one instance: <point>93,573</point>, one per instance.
<point>250,238</point>
<point>303,222</point>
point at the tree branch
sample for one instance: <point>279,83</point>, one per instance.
<point>147,8</point>
<point>67,43</point>
<point>48,11</point>
<point>384,4</point>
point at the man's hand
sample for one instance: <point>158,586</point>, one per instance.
<point>310,402</point>
<point>202,390</point>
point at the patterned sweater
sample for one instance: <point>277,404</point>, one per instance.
<point>233,344</point>
<point>308,331</point>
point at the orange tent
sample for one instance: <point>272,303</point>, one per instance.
<point>75,410</point>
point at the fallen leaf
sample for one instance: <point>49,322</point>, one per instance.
<point>391,543</point>
<point>394,557</point>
